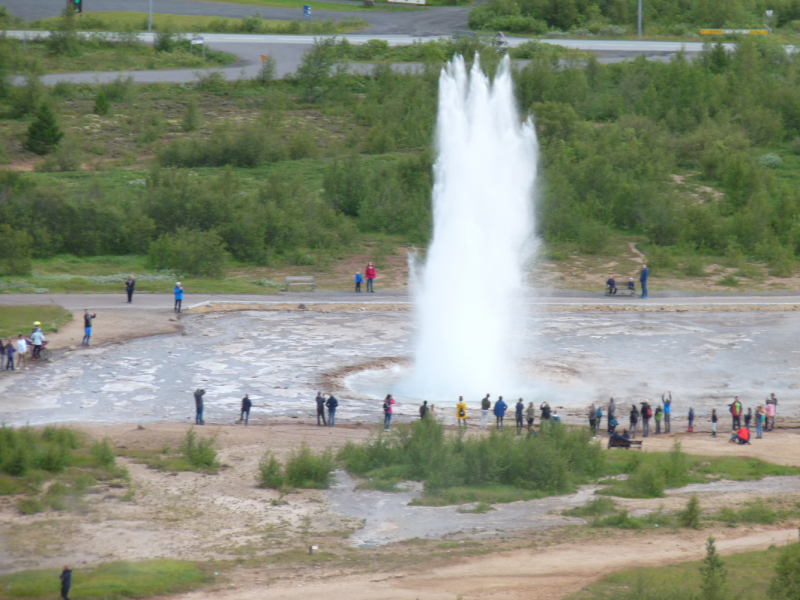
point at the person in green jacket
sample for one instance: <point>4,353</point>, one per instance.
<point>658,416</point>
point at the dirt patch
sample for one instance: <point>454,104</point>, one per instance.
<point>115,326</point>
<point>334,380</point>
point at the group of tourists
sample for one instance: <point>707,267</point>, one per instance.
<point>611,283</point>
<point>14,351</point>
<point>369,274</point>
<point>763,419</point>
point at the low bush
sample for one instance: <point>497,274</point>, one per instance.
<point>622,520</point>
<point>691,516</point>
<point>307,469</point>
<point>199,453</point>
<point>270,472</point>
<point>595,508</point>
<point>757,512</point>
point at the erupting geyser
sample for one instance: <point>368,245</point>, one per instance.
<point>469,291</point>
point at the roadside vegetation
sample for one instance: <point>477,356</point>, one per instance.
<point>761,575</point>
<point>193,453</point>
<point>112,581</point>
<point>53,468</point>
<point>301,172</point>
<point>303,469</point>
<point>19,319</point>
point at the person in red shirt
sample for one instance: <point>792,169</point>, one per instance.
<point>369,273</point>
<point>742,436</point>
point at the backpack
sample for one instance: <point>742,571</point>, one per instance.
<point>386,406</point>
<point>649,412</point>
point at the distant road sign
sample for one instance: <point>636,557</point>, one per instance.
<point>306,11</point>
<point>724,31</point>
<point>197,40</point>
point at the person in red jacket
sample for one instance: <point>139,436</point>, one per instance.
<point>742,436</point>
<point>369,273</point>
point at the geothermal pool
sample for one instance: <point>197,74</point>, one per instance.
<point>279,358</point>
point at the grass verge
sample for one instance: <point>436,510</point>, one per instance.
<point>112,580</point>
<point>19,319</point>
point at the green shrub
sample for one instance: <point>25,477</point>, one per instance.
<point>199,452</point>
<point>595,508</point>
<point>270,472</point>
<point>44,134</point>
<point>122,89</point>
<point>193,252</point>
<point>786,583</point>
<point>691,516</point>
<point>770,160</point>
<point>103,455</point>
<point>191,118</point>
<point>101,103</point>
<point>166,40</point>
<point>753,512</point>
<point>16,247</point>
<point>306,469</point>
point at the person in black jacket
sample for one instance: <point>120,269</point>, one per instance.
<point>321,409</point>
<point>634,421</point>
<point>129,286</point>
<point>423,410</point>
<point>332,403</point>
<point>66,582</point>
<point>246,405</point>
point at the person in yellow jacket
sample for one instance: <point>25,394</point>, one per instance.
<point>461,412</point>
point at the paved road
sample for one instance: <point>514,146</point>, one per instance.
<point>431,21</point>
<point>77,302</point>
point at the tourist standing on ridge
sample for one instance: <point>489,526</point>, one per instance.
<point>643,280</point>
<point>748,417</point>
<point>531,414</point>
<point>369,272</point>
<point>332,403</point>
<point>10,354</point>
<point>178,290</point>
<point>387,412</point>
<point>544,407</point>
<point>130,285</point>
<point>646,413</point>
<point>245,412</point>
<point>658,416</point>
<point>612,413</point>
<point>22,352</point>
<point>691,420</point>
<point>461,412</point>
<point>37,339</point>
<point>592,418</point>
<point>770,414</point>
<point>321,409</point>
<point>599,420</point>
<point>736,413</point>
<point>759,422</point>
<point>66,582</point>
<point>667,409</point>
<point>500,411</point>
<point>87,326</point>
<point>486,404</point>
<point>713,422</point>
<point>520,411</point>
<point>198,404</point>
<point>634,420</point>
<point>359,281</point>
<point>423,410</point>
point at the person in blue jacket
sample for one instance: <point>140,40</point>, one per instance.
<point>332,403</point>
<point>359,281</point>
<point>520,409</point>
<point>643,280</point>
<point>500,411</point>
<point>178,296</point>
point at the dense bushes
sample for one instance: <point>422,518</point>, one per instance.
<point>303,469</point>
<point>550,463</point>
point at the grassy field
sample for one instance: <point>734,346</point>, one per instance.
<point>112,580</point>
<point>19,319</point>
<point>137,21</point>
<point>749,574</point>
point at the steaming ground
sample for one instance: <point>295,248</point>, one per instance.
<point>280,358</point>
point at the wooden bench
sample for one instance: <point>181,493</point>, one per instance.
<point>622,290</point>
<point>626,444</point>
<point>300,280</point>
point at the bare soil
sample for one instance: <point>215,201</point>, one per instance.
<point>115,326</point>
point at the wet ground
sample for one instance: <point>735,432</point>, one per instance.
<point>279,358</point>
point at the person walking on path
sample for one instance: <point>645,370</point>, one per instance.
<point>37,338</point>
<point>736,413</point>
<point>369,272</point>
<point>634,419</point>
<point>10,355</point>
<point>332,403</point>
<point>612,413</point>
<point>130,285</point>
<point>178,291</point>
<point>387,412</point>
<point>643,280</point>
<point>245,412</point>
<point>500,411</point>
<point>770,413</point>
<point>530,413</point>
<point>658,416</point>
<point>87,326</point>
<point>691,420</point>
<point>22,352</point>
<point>759,422</point>
<point>461,412</point>
<point>66,582</point>
<point>667,403</point>
<point>486,404</point>
<point>359,281</point>
<point>320,400</point>
<point>646,414</point>
<point>423,410</point>
<point>519,414</point>
<point>713,422</point>
<point>198,404</point>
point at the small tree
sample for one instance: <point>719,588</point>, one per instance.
<point>314,72</point>
<point>786,583</point>
<point>268,70</point>
<point>714,575</point>
<point>101,104</point>
<point>44,133</point>
<point>690,516</point>
<point>191,118</point>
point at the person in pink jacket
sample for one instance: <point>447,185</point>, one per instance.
<point>369,273</point>
<point>770,410</point>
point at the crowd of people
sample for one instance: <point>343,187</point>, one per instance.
<point>763,419</point>
<point>14,351</point>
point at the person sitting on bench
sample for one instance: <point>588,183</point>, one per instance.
<point>631,284</point>
<point>612,286</point>
<point>742,436</point>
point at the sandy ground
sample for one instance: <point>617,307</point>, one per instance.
<point>115,326</point>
